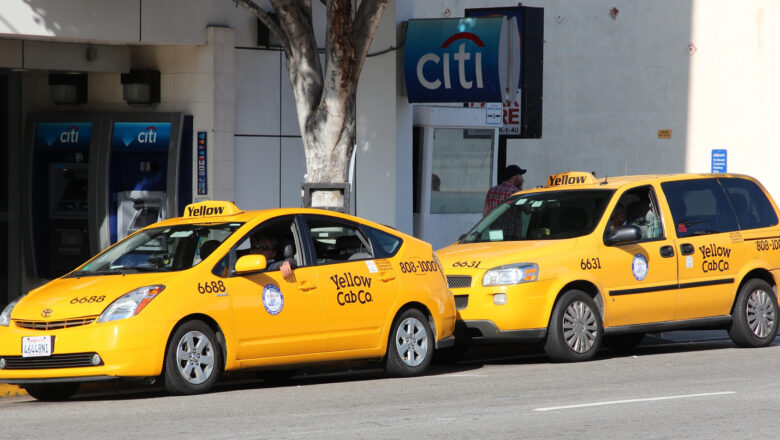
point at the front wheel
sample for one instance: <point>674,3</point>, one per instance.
<point>193,359</point>
<point>410,346</point>
<point>575,329</point>
<point>52,392</point>
<point>754,318</point>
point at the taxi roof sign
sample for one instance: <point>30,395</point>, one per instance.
<point>210,208</point>
<point>571,178</point>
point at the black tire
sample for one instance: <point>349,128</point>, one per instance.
<point>755,314</point>
<point>575,331</point>
<point>193,359</point>
<point>52,392</point>
<point>624,343</point>
<point>410,346</point>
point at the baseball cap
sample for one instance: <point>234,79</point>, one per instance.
<point>512,170</point>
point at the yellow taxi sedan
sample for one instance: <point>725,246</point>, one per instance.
<point>585,260</point>
<point>221,289</point>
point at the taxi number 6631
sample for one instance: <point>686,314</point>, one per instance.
<point>590,263</point>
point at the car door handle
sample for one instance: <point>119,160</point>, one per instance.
<point>687,249</point>
<point>306,285</point>
<point>667,251</point>
<point>386,276</point>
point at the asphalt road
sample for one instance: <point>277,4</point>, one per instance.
<point>668,388</point>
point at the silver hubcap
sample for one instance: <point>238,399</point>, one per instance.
<point>579,327</point>
<point>195,357</point>
<point>411,342</point>
<point>760,313</point>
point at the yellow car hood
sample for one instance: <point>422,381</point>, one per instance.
<point>67,298</point>
<point>492,254</point>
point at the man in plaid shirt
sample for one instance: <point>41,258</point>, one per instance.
<point>512,182</point>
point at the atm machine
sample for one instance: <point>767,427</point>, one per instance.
<point>92,179</point>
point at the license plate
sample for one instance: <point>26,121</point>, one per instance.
<point>34,346</point>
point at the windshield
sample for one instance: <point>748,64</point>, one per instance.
<point>542,216</point>
<point>164,249</point>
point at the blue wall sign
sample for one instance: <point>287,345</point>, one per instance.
<point>719,161</point>
<point>143,136</point>
<point>453,60</point>
<point>63,135</point>
<point>514,11</point>
<point>203,185</point>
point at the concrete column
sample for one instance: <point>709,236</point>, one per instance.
<point>221,160</point>
<point>383,168</point>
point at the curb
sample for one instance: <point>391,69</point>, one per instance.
<point>8,390</point>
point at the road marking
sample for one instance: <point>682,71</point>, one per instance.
<point>620,402</point>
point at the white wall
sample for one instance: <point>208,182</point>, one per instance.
<point>611,84</point>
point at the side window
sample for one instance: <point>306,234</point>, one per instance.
<point>699,207</point>
<point>750,204</point>
<point>637,206</point>
<point>335,241</point>
<point>385,245</point>
<point>275,239</point>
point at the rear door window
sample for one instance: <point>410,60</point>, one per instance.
<point>699,207</point>
<point>751,205</point>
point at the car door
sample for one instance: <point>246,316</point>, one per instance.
<point>274,316</point>
<point>640,278</point>
<point>357,291</point>
<point>710,246</point>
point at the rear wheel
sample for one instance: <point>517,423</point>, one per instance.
<point>52,392</point>
<point>754,318</point>
<point>410,346</point>
<point>193,359</point>
<point>575,329</point>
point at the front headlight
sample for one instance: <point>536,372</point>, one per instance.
<point>511,274</point>
<point>130,304</point>
<point>5,317</point>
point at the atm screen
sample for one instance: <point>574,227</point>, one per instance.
<point>68,190</point>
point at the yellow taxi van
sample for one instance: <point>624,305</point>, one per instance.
<point>221,289</point>
<point>584,261</point>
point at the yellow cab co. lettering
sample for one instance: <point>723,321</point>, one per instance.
<point>205,210</point>
<point>351,296</point>
<point>715,258</point>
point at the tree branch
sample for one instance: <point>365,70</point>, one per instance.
<point>266,19</point>
<point>367,19</point>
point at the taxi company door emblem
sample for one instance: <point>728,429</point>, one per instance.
<point>273,300</point>
<point>639,267</point>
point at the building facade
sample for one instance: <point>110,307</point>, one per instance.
<point>629,88</point>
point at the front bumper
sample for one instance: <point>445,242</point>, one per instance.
<point>524,316</point>
<point>130,347</point>
<point>484,331</point>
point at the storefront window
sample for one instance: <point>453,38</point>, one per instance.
<point>462,162</point>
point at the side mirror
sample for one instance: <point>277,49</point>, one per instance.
<point>250,263</point>
<point>624,234</point>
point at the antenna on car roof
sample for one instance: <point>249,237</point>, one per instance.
<point>605,180</point>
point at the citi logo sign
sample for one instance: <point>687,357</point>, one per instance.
<point>70,135</point>
<point>462,57</point>
<point>148,136</point>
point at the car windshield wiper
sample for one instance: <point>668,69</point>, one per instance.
<point>90,273</point>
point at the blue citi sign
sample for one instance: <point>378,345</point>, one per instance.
<point>141,135</point>
<point>453,60</point>
<point>63,135</point>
